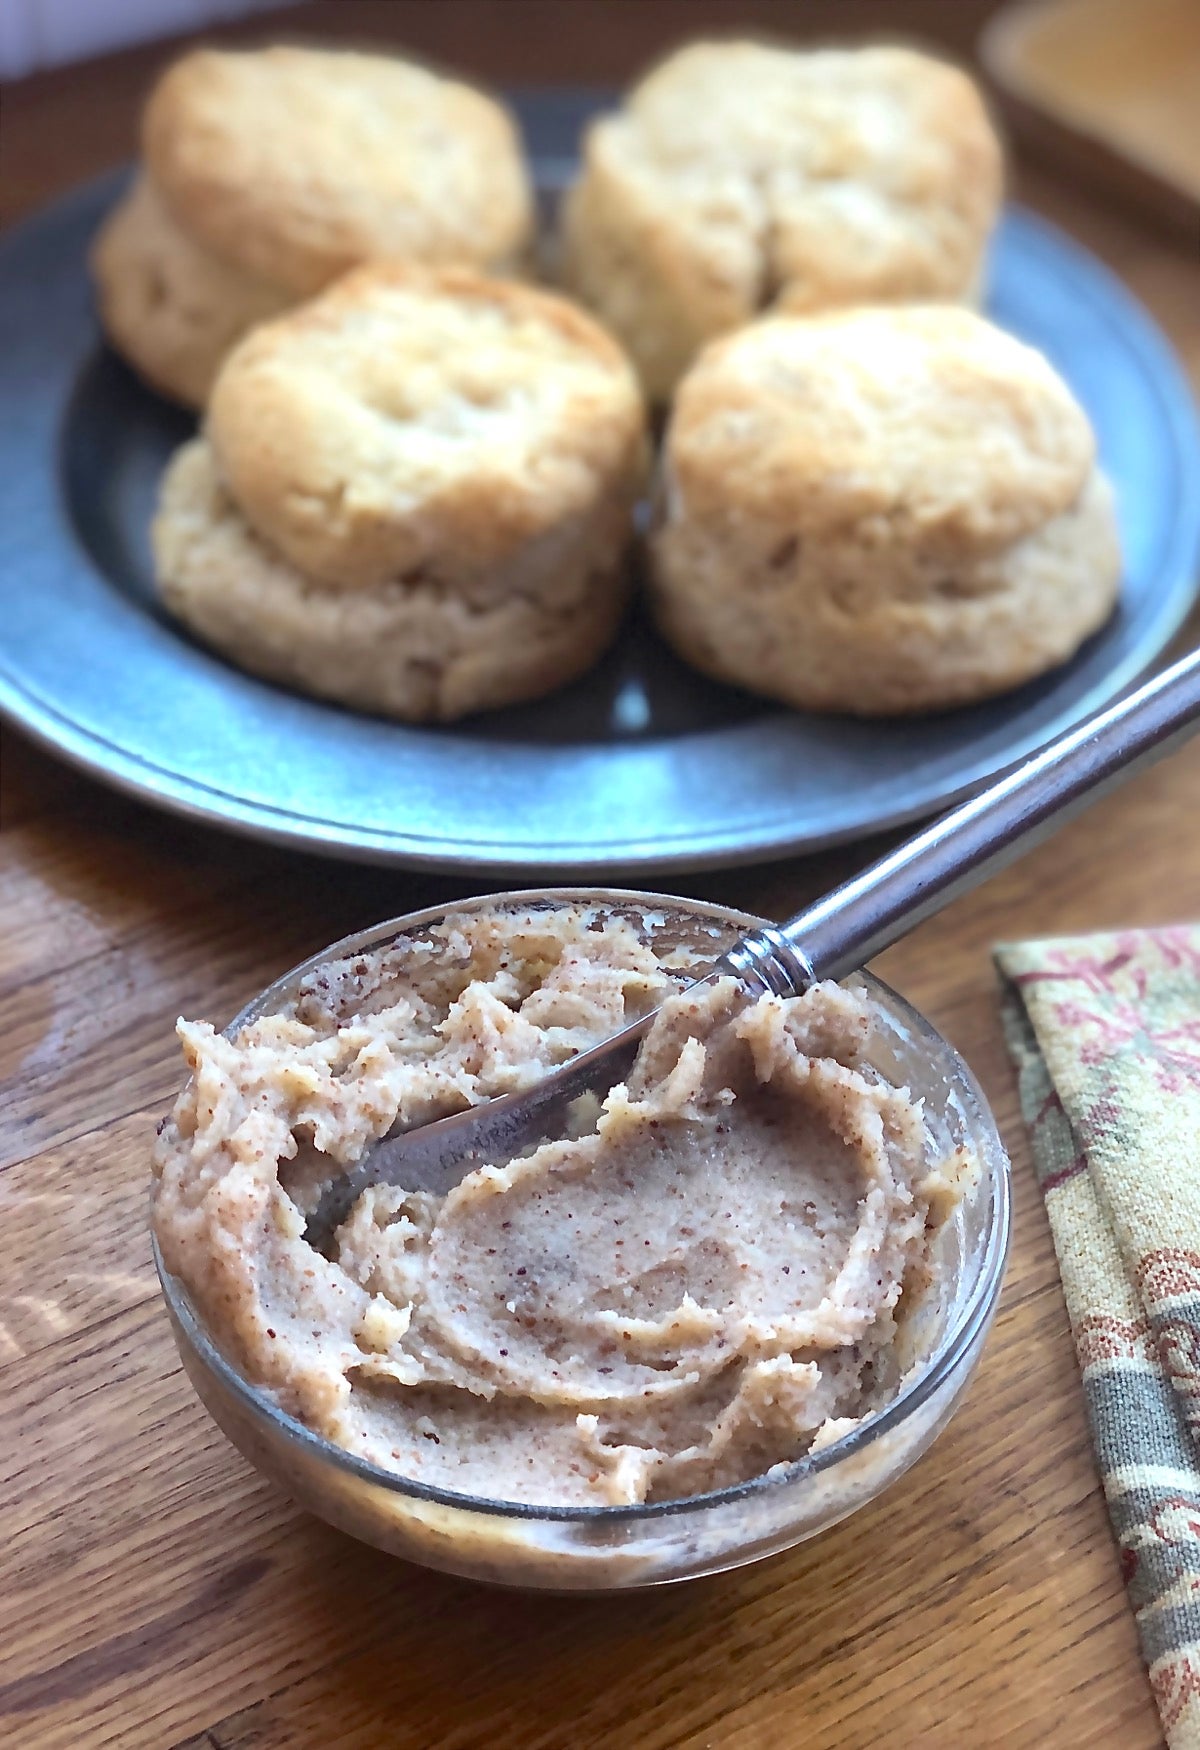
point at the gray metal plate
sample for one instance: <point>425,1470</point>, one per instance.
<point>643,767</point>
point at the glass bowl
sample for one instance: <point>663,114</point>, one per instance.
<point>600,1548</point>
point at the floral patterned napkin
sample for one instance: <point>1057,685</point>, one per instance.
<point>1105,1033</point>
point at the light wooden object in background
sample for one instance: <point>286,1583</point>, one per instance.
<point>1110,88</point>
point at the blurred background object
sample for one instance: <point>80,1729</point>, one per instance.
<point>46,33</point>
<point>1110,90</point>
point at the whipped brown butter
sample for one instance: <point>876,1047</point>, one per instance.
<point>712,1282</point>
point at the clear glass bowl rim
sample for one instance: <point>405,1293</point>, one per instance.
<point>940,1366</point>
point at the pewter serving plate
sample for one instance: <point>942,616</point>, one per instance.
<point>643,766</point>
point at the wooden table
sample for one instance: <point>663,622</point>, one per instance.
<point>155,1591</point>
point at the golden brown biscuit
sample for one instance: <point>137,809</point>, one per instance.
<point>415,495</point>
<point>880,510</point>
<point>169,306</point>
<point>409,419</point>
<point>740,175</point>
<point>294,164</point>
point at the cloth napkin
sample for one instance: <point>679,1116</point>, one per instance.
<point>1105,1034</point>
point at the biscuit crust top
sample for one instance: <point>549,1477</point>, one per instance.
<point>921,425</point>
<point>406,411</point>
<point>295,164</point>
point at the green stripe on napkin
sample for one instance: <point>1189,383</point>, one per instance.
<point>1105,1034</point>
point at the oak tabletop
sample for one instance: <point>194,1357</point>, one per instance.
<point>154,1591</point>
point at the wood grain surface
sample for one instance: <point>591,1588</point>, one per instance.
<point>153,1590</point>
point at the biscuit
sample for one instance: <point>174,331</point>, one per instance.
<point>294,164</point>
<point>739,176</point>
<point>408,420</point>
<point>172,309</point>
<point>878,511</point>
<point>415,495</point>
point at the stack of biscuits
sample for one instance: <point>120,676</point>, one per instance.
<point>413,494</point>
<point>416,485</point>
